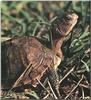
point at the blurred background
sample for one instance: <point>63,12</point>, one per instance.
<point>26,18</point>
<point>19,18</point>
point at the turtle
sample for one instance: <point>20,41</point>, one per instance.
<point>25,59</point>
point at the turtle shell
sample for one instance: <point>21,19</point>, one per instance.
<point>24,60</point>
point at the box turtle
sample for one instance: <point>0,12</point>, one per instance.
<point>24,60</point>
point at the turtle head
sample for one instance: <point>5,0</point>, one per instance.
<point>65,24</point>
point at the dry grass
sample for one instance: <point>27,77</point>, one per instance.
<point>27,18</point>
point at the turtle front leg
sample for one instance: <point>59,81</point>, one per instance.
<point>54,81</point>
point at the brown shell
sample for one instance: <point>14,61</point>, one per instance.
<point>17,54</point>
<point>25,59</point>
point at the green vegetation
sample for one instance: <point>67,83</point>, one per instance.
<point>27,18</point>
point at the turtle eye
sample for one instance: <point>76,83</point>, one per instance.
<point>68,17</point>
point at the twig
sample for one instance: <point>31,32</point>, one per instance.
<point>45,81</point>
<point>82,93</point>
<point>43,87</point>
<point>46,96</point>
<point>83,85</point>
<point>18,80</point>
<point>52,90</point>
<point>5,39</point>
<point>74,87</point>
<point>66,75</point>
<point>22,75</point>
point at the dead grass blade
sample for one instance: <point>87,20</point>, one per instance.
<point>52,90</point>
<point>74,87</point>
<point>43,87</point>
<point>66,75</point>
<point>22,75</point>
